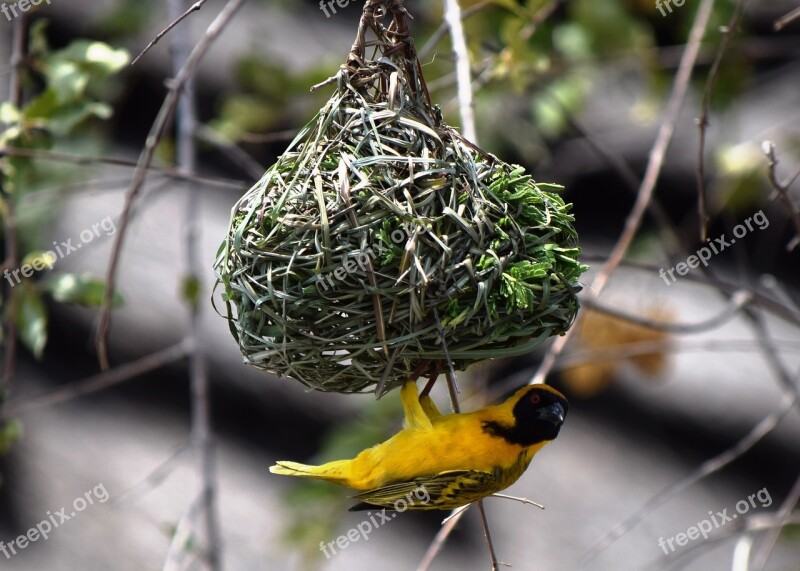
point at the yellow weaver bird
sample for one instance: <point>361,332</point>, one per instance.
<point>455,458</point>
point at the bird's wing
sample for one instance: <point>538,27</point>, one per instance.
<point>446,490</point>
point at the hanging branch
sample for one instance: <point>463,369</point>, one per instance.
<point>784,21</point>
<point>452,386</point>
<point>60,156</point>
<point>783,517</point>
<point>654,166</point>
<point>194,8</point>
<point>452,16</point>
<point>782,192</point>
<point>702,121</point>
<point>99,382</point>
<point>145,159</point>
<point>202,437</point>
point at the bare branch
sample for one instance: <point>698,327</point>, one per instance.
<point>156,132</point>
<point>113,161</point>
<point>452,386</point>
<point>783,21</point>
<point>235,153</point>
<point>654,166</point>
<point>739,300</point>
<point>202,435</point>
<point>181,538</point>
<point>516,499</point>
<point>452,16</point>
<point>441,538</point>
<point>741,553</point>
<point>785,311</point>
<point>782,192</point>
<point>771,538</point>
<point>98,382</point>
<point>759,431</point>
<point>194,8</point>
<point>702,121</point>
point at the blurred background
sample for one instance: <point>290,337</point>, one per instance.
<point>682,391</point>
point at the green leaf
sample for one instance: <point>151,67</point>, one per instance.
<point>84,290</point>
<point>69,71</point>
<point>101,58</point>
<point>39,260</point>
<point>10,433</point>
<point>8,113</point>
<point>32,319</point>
<point>70,116</point>
<point>190,290</point>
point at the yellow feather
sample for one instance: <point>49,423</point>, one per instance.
<point>460,457</point>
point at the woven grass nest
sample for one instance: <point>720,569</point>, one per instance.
<point>382,242</point>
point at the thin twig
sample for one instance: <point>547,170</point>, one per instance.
<point>443,27</point>
<point>582,357</point>
<point>452,386</point>
<point>488,535</point>
<point>146,157</point>
<point>758,432</point>
<point>739,300</point>
<point>60,156</point>
<point>745,524</point>
<point>441,538</point>
<point>702,121</point>
<point>669,237</point>
<point>784,311</point>
<point>182,537</point>
<point>155,478</point>
<point>274,137</point>
<point>98,382</point>
<point>654,166</point>
<point>770,353</point>
<point>783,21</point>
<point>452,15</point>
<point>771,538</point>
<point>194,8</point>
<point>202,435</point>
<point>782,191</point>
<point>230,149</point>
<point>741,553</point>
<point>18,55</point>
<point>516,499</point>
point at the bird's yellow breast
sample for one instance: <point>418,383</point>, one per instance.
<point>455,442</point>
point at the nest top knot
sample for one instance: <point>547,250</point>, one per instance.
<point>382,243</point>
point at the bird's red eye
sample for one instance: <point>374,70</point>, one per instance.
<point>536,398</point>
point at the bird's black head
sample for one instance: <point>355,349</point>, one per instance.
<point>539,414</point>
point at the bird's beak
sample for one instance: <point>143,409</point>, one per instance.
<point>552,413</point>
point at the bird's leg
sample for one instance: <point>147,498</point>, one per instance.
<point>416,417</point>
<point>426,401</point>
<point>430,408</point>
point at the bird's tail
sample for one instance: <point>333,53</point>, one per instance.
<point>332,471</point>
